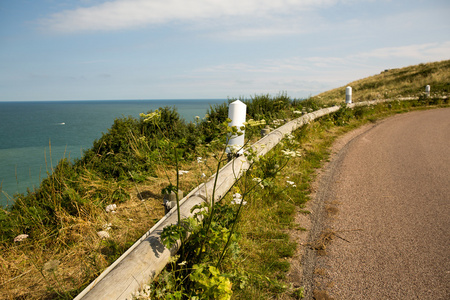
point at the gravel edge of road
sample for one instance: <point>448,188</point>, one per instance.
<point>304,262</point>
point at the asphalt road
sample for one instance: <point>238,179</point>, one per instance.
<point>386,201</point>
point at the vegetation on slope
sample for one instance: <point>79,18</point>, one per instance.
<point>396,83</point>
<point>127,167</point>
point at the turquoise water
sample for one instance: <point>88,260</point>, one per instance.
<point>34,136</point>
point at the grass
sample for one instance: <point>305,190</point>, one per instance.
<point>58,261</point>
<point>396,83</point>
<point>81,254</point>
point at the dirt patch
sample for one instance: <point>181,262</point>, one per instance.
<point>322,295</point>
<point>331,208</point>
<point>302,221</point>
<point>320,244</point>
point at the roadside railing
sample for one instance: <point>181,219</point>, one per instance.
<point>145,259</point>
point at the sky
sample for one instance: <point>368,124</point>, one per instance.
<point>209,49</point>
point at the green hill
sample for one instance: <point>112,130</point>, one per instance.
<point>395,83</point>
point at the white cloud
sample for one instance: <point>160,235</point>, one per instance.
<point>237,29</point>
<point>123,14</point>
<point>301,76</point>
<point>422,52</point>
<point>255,32</point>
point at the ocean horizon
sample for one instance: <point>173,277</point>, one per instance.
<point>36,135</point>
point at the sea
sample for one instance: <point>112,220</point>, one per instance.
<point>36,135</point>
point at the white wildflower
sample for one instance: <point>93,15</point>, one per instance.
<point>107,226</point>
<point>199,160</point>
<point>103,234</point>
<point>233,149</point>
<point>291,183</point>
<point>253,123</point>
<point>144,293</point>
<point>181,172</point>
<point>20,237</point>
<point>278,122</point>
<point>259,181</point>
<point>111,208</point>
<point>237,199</point>
<point>290,137</point>
<point>182,263</point>
<point>288,153</point>
<point>291,153</point>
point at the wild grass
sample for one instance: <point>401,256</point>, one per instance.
<point>395,83</point>
<point>75,247</point>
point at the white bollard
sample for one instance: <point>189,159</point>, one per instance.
<point>427,90</point>
<point>348,95</point>
<point>236,112</point>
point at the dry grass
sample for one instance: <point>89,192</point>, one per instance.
<point>394,83</point>
<point>77,252</point>
<point>59,264</point>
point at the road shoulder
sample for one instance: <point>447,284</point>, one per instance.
<point>314,225</point>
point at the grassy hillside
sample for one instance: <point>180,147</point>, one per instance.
<point>394,83</point>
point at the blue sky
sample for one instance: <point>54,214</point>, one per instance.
<point>182,49</point>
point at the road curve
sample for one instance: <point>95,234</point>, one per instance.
<point>386,196</point>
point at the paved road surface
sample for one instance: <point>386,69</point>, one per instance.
<point>387,197</point>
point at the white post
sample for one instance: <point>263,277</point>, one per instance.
<point>348,95</point>
<point>427,90</point>
<point>236,112</point>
